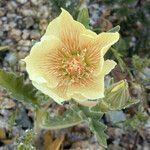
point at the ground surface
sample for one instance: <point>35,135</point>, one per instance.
<point>22,22</point>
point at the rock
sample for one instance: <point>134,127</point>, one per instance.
<point>11,16</point>
<point>11,58</point>
<point>1,33</point>
<point>24,43</point>
<point>44,12</point>
<point>2,12</point>
<point>7,41</point>
<point>115,116</point>
<point>35,2</point>
<point>7,104</point>
<point>16,34</point>
<point>11,6</point>
<point>22,1</point>
<point>35,35</point>
<point>28,12</point>
<point>43,24</point>
<point>12,25</point>
<point>147,72</point>
<point>29,22</point>
<point>0,22</point>
<point>86,145</point>
<point>25,34</point>
<point>23,119</point>
<point>6,27</point>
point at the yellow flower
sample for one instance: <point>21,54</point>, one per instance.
<point>68,62</point>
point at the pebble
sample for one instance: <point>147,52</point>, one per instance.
<point>12,24</point>
<point>28,12</point>
<point>19,23</point>
<point>16,34</point>
<point>115,116</point>
<point>2,12</point>
<point>29,22</point>
<point>25,34</point>
<point>44,12</point>
<point>24,43</point>
<point>0,22</point>
<point>1,33</point>
<point>6,27</point>
<point>12,6</point>
<point>35,2</point>
<point>34,35</point>
<point>22,1</point>
<point>11,58</point>
<point>7,104</point>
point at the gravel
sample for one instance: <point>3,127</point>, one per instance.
<point>21,21</point>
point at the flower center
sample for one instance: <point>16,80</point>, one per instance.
<point>74,66</point>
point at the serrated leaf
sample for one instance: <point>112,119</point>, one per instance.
<point>117,97</point>
<point>18,89</point>
<point>98,128</point>
<point>67,119</point>
<point>115,29</point>
<point>83,17</point>
<point>93,118</point>
<point>91,114</point>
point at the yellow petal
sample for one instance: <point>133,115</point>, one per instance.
<point>66,29</point>
<point>37,63</point>
<point>83,100</point>
<point>85,41</point>
<point>86,38</point>
<point>50,92</point>
<point>92,90</point>
<point>106,40</point>
<point>95,90</point>
<point>78,97</point>
<point>108,66</point>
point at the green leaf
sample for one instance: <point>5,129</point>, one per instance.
<point>67,119</point>
<point>117,97</point>
<point>118,56</point>
<point>98,128</point>
<point>83,17</point>
<point>18,89</point>
<point>73,116</point>
<point>90,114</point>
<point>93,118</point>
<point>121,63</point>
<point>121,45</point>
<point>140,63</point>
<point>115,29</point>
<point>139,120</point>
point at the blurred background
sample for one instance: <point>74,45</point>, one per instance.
<point>23,22</point>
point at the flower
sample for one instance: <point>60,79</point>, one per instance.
<point>68,62</point>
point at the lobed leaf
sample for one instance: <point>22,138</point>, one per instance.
<point>98,128</point>
<point>22,92</point>
<point>67,119</point>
